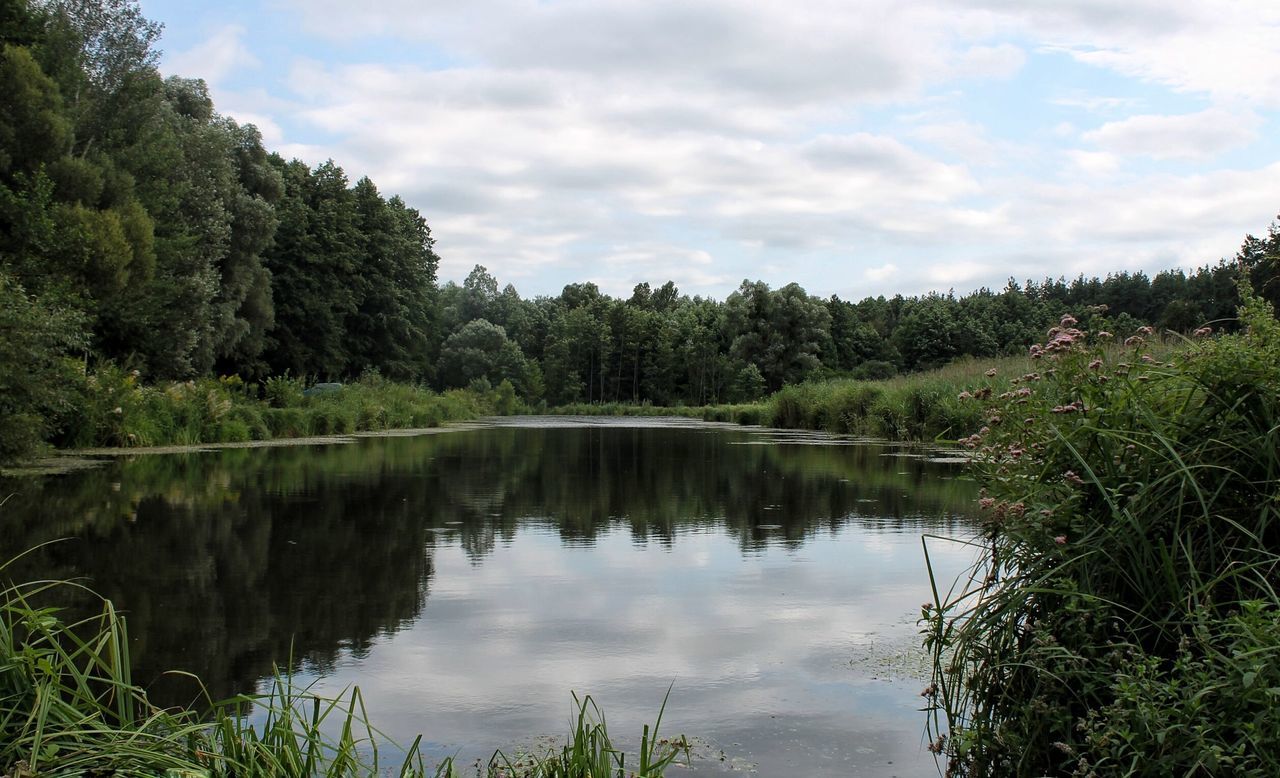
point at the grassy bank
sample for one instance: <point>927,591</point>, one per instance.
<point>746,413</point>
<point>68,707</point>
<point>1123,618</point>
<point>933,405</point>
<point>115,409</point>
<point>920,406</point>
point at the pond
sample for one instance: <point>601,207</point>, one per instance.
<point>468,581</point>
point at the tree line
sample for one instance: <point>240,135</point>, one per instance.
<point>139,226</point>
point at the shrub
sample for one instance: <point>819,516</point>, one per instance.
<point>874,370</point>
<point>284,392</point>
<point>1125,591</point>
<point>38,380</point>
<point>789,407</point>
<point>286,422</point>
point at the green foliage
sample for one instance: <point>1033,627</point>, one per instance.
<point>284,391</point>
<point>116,409</point>
<point>481,350</point>
<point>190,251</point>
<point>589,752</point>
<point>504,402</point>
<point>37,374</point>
<point>34,128</point>
<point>68,706</point>
<point>1125,596</point>
<point>780,332</point>
<point>919,407</point>
<point>1209,711</point>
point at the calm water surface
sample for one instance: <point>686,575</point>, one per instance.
<point>467,581</point>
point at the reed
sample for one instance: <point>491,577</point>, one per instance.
<point>589,752</point>
<point>115,409</point>
<point>1122,617</point>
<point>68,706</point>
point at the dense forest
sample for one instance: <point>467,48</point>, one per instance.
<point>140,228</point>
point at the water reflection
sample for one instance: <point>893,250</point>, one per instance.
<point>467,581</point>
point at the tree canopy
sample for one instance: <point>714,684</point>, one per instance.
<point>166,238</point>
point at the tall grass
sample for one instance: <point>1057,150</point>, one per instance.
<point>589,752</point>
<point>115,409</point>
<point>919,406</point>
<point>68,706</point>
<point>1123,617</point>
<point>743,413</point>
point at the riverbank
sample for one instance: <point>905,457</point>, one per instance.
<point>926,406</point>
<point>934,405</point>
<point>1123,618</point>
<point>114,411</point>
<point>72,707</point>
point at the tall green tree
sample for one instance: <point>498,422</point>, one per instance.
<point>39,374</point>
<point>313,264</point>
<point>780,332</point>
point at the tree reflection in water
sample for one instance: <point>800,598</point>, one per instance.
<point>227,562</point>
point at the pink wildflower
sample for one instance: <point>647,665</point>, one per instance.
<point>1061,540</point>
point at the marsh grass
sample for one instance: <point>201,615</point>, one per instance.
<point>68,706</point>
<point>741,413</point>
<point>925,406</point>
<point>589,752</point>
<point>1122,618</point>
<point>116,409</point>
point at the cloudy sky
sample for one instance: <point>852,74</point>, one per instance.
<point>857,147</point>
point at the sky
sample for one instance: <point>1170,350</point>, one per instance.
<point>857,147</point>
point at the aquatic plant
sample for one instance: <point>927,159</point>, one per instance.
<point>1122,618</point>
<point>115,408</point>
<point>68,706</point>
<point>589,752</point>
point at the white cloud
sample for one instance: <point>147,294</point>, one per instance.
<point>1000,61</point>
<point>829,142</point>
<point>882,273</point>
<point>223,53</point>
<point>951,274</point>
<point>967,140</point>
<point>692,270</point>
<point>1226,50</point>
<point>1098,164</point>
<point>1096,103</point>
<point>1196,135</point>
